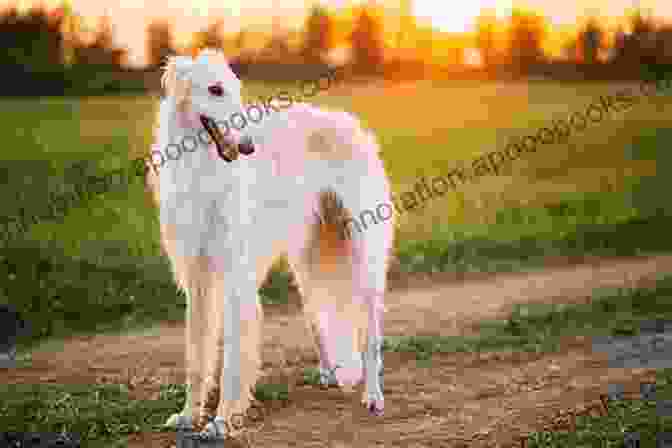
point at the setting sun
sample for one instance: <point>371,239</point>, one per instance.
<point>460,17</point>
<point>456,17</point>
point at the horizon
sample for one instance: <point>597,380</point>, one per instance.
<point>129,22</point>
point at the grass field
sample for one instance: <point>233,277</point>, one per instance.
<point>100,267</point>
<point>598,193</point>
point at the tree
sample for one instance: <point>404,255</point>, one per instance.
<point>160,43</point>
<point>591,41</point>
<point>102,50</point>
<point>241,40</point>
<point>104,34</point>
<point>211,37</point>
<point>69,24</point>
<point>367,43</point>
<point>643,42</point>
<point>570,50</point>
<point>526,34</point>
<point>318,37</point>
<point>620,44</point>
<point>664,43</point>
<point>406,21</point>
<point>277,47</point>
<point>485,36</point>
<point>641,26</point>
<point>33,39</point>
<point>633,49</point>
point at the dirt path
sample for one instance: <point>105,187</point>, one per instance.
<point>474,398</point>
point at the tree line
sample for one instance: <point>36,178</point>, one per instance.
<point>40,57</point>
<point>43,52</point>
<point>648,43</point>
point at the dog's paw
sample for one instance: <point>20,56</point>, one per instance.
<point>328,377</point>
<point>219,428</point>
<point>349,378</point>
<point>216,428</point>
<point>179,421</point>
<point>375,407</point>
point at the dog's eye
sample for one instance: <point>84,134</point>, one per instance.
<point>216,90</point>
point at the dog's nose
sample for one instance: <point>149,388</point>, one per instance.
<point>246,146</point>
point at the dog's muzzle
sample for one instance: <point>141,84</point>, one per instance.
<point>226,147</point>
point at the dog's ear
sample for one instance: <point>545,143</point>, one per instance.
<point>176,78</point>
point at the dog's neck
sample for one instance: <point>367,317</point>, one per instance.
<point>173,130</point>
<point>170,129</point>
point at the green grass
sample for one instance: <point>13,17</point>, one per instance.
<point>101,266</point>
<point>540,327</point>
<point>457,252</point>
<point>102,415</point>
<point>625,416</point>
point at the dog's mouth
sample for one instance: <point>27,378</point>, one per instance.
<point>226,149</point>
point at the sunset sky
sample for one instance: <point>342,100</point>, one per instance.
<point>130,17</point>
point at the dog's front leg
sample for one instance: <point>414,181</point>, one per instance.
<point>238,345</point>
<point>194,365</point>
<point>191,270</point>
<point>209,392</point>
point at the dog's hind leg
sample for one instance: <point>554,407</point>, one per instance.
<point>371,250</point>
<point>299,259</point>
<point>369,279</point>
<point>321,259</point>
<point>368,257</point>
<point>311,317</point>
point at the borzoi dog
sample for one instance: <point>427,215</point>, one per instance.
<point>306,175</point>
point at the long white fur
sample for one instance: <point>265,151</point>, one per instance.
<point>223,224</point>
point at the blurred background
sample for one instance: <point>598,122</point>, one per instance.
<point>440,85</point>
<point>60,46</point>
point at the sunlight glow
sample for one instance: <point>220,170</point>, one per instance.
<point>449,17</point>
<point>472,57</point>
<point>200,8</point>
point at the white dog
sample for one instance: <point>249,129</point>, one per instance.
<point>307,176</point>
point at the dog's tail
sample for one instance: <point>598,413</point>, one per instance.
<point>331,238</point>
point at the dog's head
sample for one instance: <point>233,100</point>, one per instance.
<point>205,92</point>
